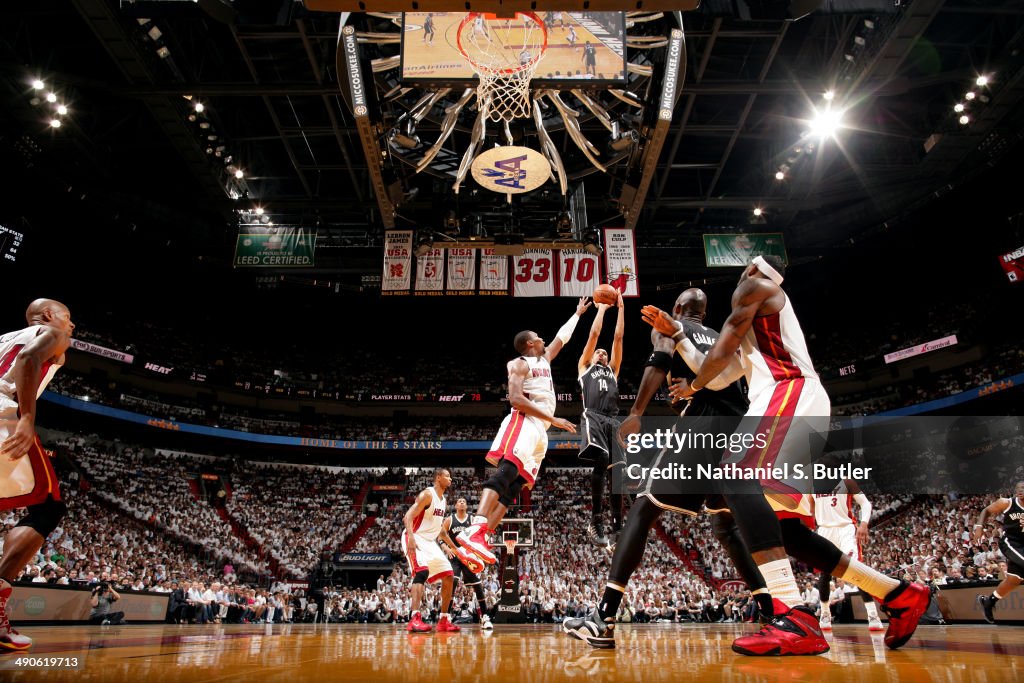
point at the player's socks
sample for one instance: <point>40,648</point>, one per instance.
<point>778,578</point>
<point>869,580</point>
<point>610,601</point>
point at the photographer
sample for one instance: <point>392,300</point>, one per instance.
<point>103,596</point>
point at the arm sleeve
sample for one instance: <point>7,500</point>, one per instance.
<point>865,506</point>
<point>566,330</point>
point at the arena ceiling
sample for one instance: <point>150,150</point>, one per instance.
<point>267,76</point>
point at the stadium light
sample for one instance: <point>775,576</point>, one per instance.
<point>758,211</point>
<point>964,120</point>
<point>51,97</point>
<point>38,84</point>
<point>55,123</point>
<point>982,81</point>
<point>959,107</point>
<point>62,110</point>
<point>970,95</point>
<point>259,210</point>
<point>779,175</point>
<point>829,95</point>
<point>200,107</point>
<point>239,174</point>
<point>826,123</point>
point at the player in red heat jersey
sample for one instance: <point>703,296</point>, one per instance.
<point>28,360</point>
<point>786,396</point>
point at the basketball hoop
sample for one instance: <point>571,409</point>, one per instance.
<point>511,538</point>
<point>504,53</point>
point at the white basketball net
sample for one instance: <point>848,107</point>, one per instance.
<point>504,53</point>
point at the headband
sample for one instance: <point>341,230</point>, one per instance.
<point>767,270</point>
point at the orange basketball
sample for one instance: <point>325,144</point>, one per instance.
<point>606,294</point>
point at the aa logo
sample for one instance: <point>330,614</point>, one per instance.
<point>508,172</point>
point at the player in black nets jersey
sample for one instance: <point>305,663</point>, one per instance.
<point>719,411</point>
<point>1012,545</point>
<point>598,378</point>
<point>454,524</point>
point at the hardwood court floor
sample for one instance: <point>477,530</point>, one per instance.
<point>524,654</point>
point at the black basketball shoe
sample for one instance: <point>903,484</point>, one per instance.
<point>987,604</point>
<point>597,632</point>
<point>597,535</point>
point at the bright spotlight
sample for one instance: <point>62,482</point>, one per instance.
<point>758,211</point>
<point>964,120</point>
<point>38,84</point>
<point>970,95</point>
<point>826,123</point>
<point>829,95</point>
<point>62,110</point>
<point>55,123</point>
<point>51,97</point>
<point>239,174</point>
<point>779,175</point>
<point>200,107</point>
<point>959,107</point>
<point>982,81</point>
<point>259,210</point>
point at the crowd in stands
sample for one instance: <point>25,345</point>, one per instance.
<point>136,522</point>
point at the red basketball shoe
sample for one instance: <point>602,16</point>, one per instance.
<point>790,632</point>
<point>905,606</point>
<point>469,560</point>
<point>417,625</point>
<point>445,625</point>
<point>9,638</point>
<point>475,538</point>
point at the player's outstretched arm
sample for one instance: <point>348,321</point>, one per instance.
<point>994,510</point>
<point>595,333</point>
<point>746,301</point>
<point>620,330</point>
<point>565,333</point>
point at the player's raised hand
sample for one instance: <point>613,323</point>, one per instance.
<point>562,423</point>
<point>583,305</point>
<point>659,320</point>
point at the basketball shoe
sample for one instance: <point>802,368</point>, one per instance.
<point>469,560</point>
<point>790,632</point>
<point>825,621</point>
<point>417,625</point>
<point>987,605</point>
<point>445,625</point>
<point>597,632</point>
<point>597,535</point>
<point>905,605</point>
<point>485,623</point>
<point>475,538</point>
<point>9,638</point>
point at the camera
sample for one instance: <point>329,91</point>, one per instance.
<point>101,588</point>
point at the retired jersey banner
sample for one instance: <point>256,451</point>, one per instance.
<point>493,273</point>
<point>739,250</point>
<point>284,248</point>
<point>533,273</point>
<point>430,273</point>
<point>620,261</point>
<point>397,273</point>
<point>1013,265</point>
<point>578,273</point>
<point>461,271</point>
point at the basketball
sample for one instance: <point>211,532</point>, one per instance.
<point>606,294</point>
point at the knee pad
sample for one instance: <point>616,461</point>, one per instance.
<point>420,577</point>
<point>44,517</point>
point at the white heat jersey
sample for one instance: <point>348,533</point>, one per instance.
<point>777,350</point>
<point>834,509</point>
<point>427,525</point>
<point>538,386</point>
<point>10,345</point>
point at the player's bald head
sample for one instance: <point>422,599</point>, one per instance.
<point>38,309</point>
<point>692,302</point>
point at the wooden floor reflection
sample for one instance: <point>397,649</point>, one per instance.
<point>525,654</point>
